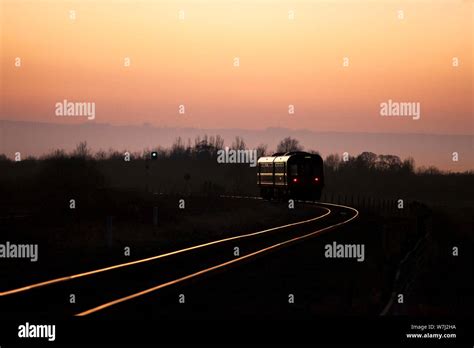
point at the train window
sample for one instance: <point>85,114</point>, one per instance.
<point>266,168</point>
<point>306,168</point>
<point>279,167</point>
<point>293,169</point>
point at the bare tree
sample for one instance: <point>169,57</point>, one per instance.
<point>431,170</point>
<point>408,165</point>
<point>262,150</point>
<point>289,144</point>
<point>217,142</point>
<point>366,160</point>
<point>56,154</point>
<point>333,162</point>
<point>238,144</point>
<point>177,149</point>
<point>202,147</point>
<point>389,162</point>
<point>81,150</point>
<point>101,155</point>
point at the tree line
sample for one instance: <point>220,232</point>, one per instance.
<point>207,147</point>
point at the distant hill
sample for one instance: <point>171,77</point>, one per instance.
<point>31,138</point>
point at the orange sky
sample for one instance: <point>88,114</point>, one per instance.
<point>282,62</point>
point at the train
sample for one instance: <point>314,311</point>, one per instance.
<point>296,174</point>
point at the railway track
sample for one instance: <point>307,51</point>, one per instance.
<point>98,290</point>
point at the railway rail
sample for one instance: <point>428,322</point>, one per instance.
<point>99,289</point>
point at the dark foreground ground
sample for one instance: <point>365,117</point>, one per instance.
<point>322,287</point>
<point>416,243</point>
<point>78,240</point>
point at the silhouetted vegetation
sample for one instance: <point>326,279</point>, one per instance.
<point>190,167</point>
<point>117,193</point>
<point>289,144</point>
<point>389,176</point>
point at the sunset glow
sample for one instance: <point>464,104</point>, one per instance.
<point>190,61</point>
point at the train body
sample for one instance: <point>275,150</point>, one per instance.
<point>296,174</point>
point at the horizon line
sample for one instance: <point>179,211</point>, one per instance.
<point>149,125</point>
